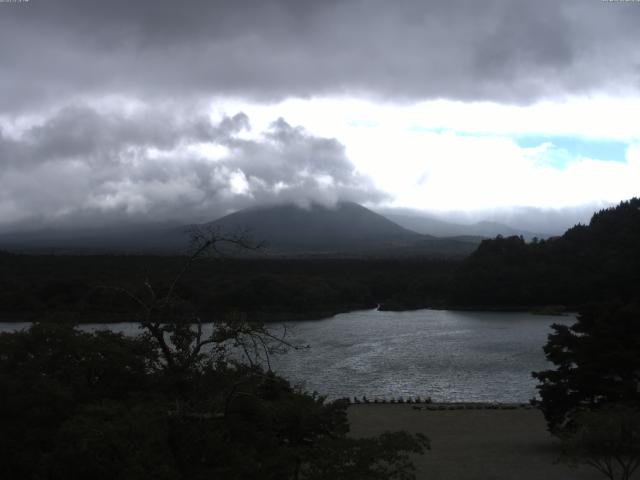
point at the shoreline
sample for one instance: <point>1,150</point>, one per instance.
<point>552,310</point>
<point>428,405</point>
<point>278,317</point>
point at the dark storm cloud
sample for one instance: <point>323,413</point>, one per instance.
<point>80,166</point>
<point>506,50</point>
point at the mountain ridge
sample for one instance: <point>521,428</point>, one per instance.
<point>442,228</point>
<point>314,225</point>
<point>344,228</point>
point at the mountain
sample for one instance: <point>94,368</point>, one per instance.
<point>345,226</point>
<point>440,228</point>
<point>345,229</point>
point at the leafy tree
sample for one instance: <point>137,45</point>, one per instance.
<point>174,403</point>
<point>48,373</point>
<point>597,363</point>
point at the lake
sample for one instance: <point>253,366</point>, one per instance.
<point>448,355</point>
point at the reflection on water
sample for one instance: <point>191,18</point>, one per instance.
<point>448,355</point>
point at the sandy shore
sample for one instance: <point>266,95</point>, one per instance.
<point>473,444</point>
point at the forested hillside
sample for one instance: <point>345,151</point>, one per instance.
<point>86,288</point>
<point>589,263</point>
<point>595,262</point>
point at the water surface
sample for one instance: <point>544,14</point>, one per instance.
<point>447,355</point>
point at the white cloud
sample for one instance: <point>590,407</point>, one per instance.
<point>82,166</point>
<point>238,183</point>
<point>445,155</point>
<point>437,156</point>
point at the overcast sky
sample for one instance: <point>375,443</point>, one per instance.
<point>186,110</point>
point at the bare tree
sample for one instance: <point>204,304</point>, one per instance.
<point>176,327</point>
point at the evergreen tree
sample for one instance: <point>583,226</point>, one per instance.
<point>597,363</point>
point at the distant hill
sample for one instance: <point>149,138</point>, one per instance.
<point>595,262</point>
<point>346,228</point>
<point>430,225</point>
<point>317,226</point>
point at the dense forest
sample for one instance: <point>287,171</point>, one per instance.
<point>595,262</point>
<point>87,288</point>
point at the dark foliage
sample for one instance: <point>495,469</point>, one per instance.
<point>597,363</point>
<point>598,262</point>
<point>47,374</point>
<point>102,406</point>
<point>50,287</point>
<point>174,402</point>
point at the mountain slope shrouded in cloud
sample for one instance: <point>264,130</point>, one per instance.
<point>82,168</point>
<point>344,229</point>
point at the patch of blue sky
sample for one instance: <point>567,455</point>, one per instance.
<point>551,156</point>
<point>561,149</point>
<point>576,147</point>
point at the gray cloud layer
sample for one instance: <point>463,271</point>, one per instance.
<point>508,50</point>
<point>80,166</point>
<point>104,163</point>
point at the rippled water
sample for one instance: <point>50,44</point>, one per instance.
<point>447,355</point>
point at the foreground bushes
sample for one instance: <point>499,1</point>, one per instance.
<point>103,406</point>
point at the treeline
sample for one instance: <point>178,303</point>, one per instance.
<point>589,263</point>
<point>92,288</point>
